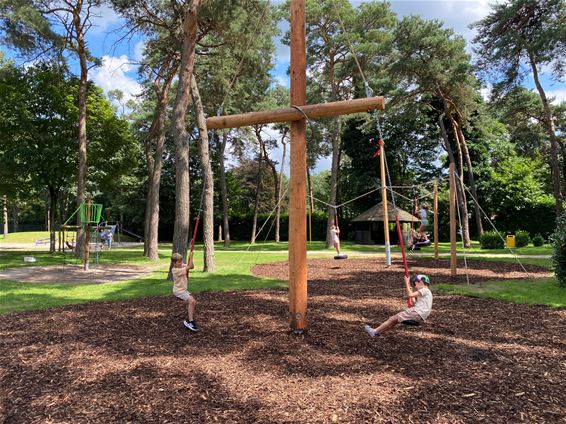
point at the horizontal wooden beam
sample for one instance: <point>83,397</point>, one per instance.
<point>344,107</point>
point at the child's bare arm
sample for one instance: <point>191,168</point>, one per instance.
<point>415,294</point>
<point>408,286</point>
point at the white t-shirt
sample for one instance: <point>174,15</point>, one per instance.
<point>334,235</point>
<point>423,305</point>
<point>180,281</point>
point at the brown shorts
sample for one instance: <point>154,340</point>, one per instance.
<point>408,314</point>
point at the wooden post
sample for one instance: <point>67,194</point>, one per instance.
<point>297,204</point>
<point>342,107</point>
<point>435,228</point>
<point>297,184</point>
<point>384,203</point>
<point>453,259</point>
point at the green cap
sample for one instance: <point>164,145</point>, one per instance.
<point>423,278</point>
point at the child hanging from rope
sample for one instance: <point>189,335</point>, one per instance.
<point>416,314</point>
<point>422,213</point>
<point>335,235</point>
<point>180,273</point>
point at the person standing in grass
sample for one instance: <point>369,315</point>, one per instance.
<point>180,272</point>
<point>417,313</point>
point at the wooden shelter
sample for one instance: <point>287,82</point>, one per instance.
<point>369,224</point>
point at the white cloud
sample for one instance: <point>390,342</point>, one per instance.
<point>139,50</point>
<point>113,75</point>
<point>486,91</point>
<point>283,80</point>
<point>559,95</point>
<point>103,18</point>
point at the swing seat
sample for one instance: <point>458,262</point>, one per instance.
<point>423,243</point>
<point>341,256</point>
<point>411,323</point>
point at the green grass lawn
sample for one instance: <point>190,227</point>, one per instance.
<point>33,236</point>
<point>534,292</point>
<point>349,246</point>
<point>233,273</point>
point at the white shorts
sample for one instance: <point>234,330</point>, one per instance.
<point>409,314</point>
<point>335,241</point>
<point>184,295</point>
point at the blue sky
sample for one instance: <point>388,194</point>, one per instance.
<point>119,57</point>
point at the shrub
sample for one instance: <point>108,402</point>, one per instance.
<point>522,238</point>
<point>491,240</point>
<point>559,250</point>
<point>538,240</point>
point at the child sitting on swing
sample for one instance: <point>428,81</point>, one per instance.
<point>417,313</point>
<point>419,240</point>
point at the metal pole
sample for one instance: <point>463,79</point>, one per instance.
<point>384,203</point>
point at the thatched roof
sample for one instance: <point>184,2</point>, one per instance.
<point>375,213</point>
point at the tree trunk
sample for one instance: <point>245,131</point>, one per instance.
<point>258,186</point>
<point>179,124</point>
<point>471,178</point>
<point>461,191</point>
<point>451,158</point>
<point>5,215</point>
<point>551,130</point>
<point>154,146</point>
<point>83,84</point>
<point>224,191</point>
<point>208,184</point>
<point>15,217</point>
<point>280,191</point>
<point>52,211</point>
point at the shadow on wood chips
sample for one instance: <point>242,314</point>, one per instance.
<point>475,360</point>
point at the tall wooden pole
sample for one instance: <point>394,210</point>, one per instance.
<point>384,203</point>
<point>453,263</point>
<point>435,228</point>
<point>297,203</point>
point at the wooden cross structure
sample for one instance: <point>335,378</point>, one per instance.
<point>297,201</point>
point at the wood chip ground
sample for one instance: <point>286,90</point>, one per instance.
<point>476,360</point>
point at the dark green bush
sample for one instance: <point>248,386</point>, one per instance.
<point>522,238</point>
<point>491,240</point>
<point>558,241</point>
<point>538,240</point>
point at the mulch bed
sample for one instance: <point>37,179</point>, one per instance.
<point>475,360</point>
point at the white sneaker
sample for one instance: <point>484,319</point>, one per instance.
<point>370,330</point>
<point>191,325</point>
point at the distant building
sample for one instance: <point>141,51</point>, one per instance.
<point>369,225</point>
